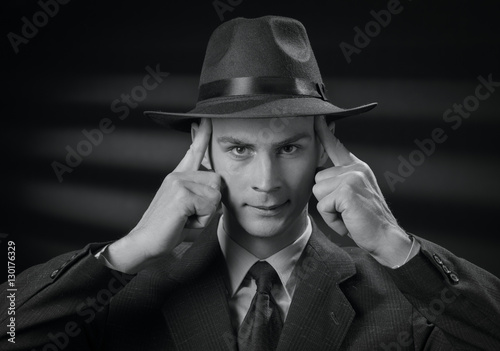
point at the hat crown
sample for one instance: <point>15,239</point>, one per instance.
<point>258,68</point>
<point>269,46</point>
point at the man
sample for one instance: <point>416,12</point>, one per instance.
<point>261,275</point>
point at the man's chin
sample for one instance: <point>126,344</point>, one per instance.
<point>266,226</point>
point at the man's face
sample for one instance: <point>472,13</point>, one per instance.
<point>268,167</point>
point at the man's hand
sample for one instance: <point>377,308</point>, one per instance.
<point>350,202</point>
<point>187,198</point>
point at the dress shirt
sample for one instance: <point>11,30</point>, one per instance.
<point>243,288</point>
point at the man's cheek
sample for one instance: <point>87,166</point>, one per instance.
<point>230,170</point>
<point>302,173</point>
<point>231,198</point>
<point>231,185</point>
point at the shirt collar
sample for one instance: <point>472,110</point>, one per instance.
<point>239,260</point>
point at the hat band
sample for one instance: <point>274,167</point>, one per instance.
<point>261,85</point>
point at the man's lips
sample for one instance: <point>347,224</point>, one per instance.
<point>268,207</point>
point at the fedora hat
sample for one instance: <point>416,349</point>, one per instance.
<point>258,68</point>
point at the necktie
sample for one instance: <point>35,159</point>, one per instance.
<point>262,325</point>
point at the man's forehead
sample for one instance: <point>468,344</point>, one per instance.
<point>262,126</point>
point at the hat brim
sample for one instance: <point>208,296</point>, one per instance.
<point>257,106</point>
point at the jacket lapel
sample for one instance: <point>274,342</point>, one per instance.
<point>197,312</point>
<point>320,314</point>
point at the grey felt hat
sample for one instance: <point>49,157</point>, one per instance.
<point>259,68</point>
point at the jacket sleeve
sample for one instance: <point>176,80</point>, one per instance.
<point>458,301</point>
<point>63,302</point>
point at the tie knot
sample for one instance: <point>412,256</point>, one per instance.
<point>265,276</point>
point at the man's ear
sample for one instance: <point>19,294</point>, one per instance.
<point>206,159</point>
<point>323,156</point>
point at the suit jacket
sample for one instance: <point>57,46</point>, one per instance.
<point>345,300</point>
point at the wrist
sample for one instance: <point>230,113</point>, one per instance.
<point>395,248</point>
<point>127,256</point>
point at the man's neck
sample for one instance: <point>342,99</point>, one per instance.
<point>264,247</point>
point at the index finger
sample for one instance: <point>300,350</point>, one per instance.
<point>194,156</point>
<point>337,152</point>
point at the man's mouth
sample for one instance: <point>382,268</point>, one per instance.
<point>270,208</point>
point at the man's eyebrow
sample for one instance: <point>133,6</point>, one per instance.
<point>292,139</point>
<point>232,140</point>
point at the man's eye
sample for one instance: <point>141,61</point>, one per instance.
<point>288,149</point>
<point>240,151</point>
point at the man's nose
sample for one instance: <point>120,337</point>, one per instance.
<point>265,173</point>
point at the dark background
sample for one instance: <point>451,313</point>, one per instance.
<point>66,77</point>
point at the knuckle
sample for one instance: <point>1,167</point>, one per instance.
<point>170,180</point>
<point>214,180</point>
<point>174,177</point>
<point>364,168</point>
<point>362,164</point>
<point>358,176</point>
<point>177,183</point>
<point>319,176</point>
<point>195,148</point>
<point>198,203</point>
<point>325,174</point>
<point>217,177</point>
<point>186,156</point>
<point>355,179</point>
<point>171,176</point>
<point>214,176</point>
<point>340,228</point>
<point>322,206</point>
<point>345,189</point>
<point>317,190</point>
<point>209,192</point>
<point>217,198</point>
<point>182,192</point>
<point>215,195</point>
